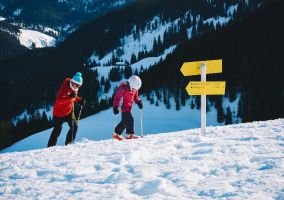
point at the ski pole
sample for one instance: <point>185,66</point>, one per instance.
<point>141,124</point>
<point>79,115</point>
<point>73,121</point>
<point>114,124</point>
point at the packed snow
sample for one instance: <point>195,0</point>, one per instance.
<point>29,38</point>
<point>242,161</point>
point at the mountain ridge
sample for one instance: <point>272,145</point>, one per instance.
<point>61,15</point>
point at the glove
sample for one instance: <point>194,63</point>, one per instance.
<point>72,95</point>
<point>115,110</point>
<point>140,105</point>
<point>82,102</point>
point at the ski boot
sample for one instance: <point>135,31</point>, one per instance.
<point>117,137</point>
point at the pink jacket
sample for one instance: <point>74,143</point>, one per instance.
<point>126,97</point>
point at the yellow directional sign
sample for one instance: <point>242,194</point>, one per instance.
<point>193,68</point>
<point>206,88</point>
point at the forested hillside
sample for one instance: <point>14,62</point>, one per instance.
<point>252,64</point>
<point>101,36</point>
<point>9,45</point>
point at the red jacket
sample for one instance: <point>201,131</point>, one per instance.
<point>124,98</point>
<point>63,103</point>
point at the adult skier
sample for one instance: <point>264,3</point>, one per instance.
<point>124,97</point>
<point>63,110</point>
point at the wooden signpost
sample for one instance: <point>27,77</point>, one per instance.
<point>203,87</point>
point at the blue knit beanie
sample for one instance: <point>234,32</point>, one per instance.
<point>77,78</point>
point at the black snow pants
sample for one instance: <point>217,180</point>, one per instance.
<point>58,121</point>
<point>127,121</point>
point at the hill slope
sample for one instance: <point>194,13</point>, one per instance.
<point>156,119</point>
<point>244,161</point>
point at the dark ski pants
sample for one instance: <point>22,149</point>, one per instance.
<point>58,121</point>
<point>127,121</point>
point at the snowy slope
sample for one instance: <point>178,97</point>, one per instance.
<point>155,119</point>
<point>100,126</point>
<point>28,38</point>
<point>243,161</point>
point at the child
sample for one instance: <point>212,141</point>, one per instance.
<point>124,97</point>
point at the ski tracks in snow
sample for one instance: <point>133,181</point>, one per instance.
<point>243,161</point>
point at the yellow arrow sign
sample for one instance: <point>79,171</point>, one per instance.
<point>206,88</point>
<point>193,68</point>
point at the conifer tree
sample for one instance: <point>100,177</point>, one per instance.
<point>114,74</point>
<point>136,72</point>
<point>7,130</point>
<point>183,97</point>
<point>152,99</point>
<point>107,86</point>
<point>192,105</point>
<point>127,71</point>
<point>220,114</point>
<point>157,103</point>
<point>228,118</point>
<point>197,102</point>
<point>102,80</point>
<point>133,58</point>
<point>168,106</point>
